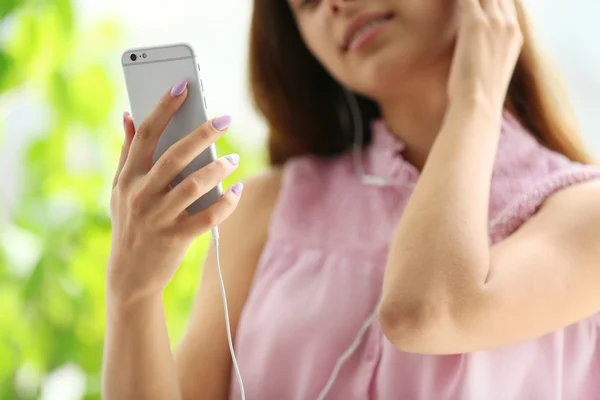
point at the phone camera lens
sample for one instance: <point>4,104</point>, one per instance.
<point>133,57</point>
<point>144,55</point>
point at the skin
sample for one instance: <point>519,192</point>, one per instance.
<point>543,277</point>
<point>147,250</point>
<point>405,70</point>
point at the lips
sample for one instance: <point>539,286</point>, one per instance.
<point>362,24</point>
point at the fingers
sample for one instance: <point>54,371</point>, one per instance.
<point>490,7</point>
<point>198,224</point>
<point>149,131</point>
<point>195,186</point>
<point>182,153</point>
<point>511,24</point>
<point>471,11</point>
<point>129,133</point>
<point>500,11</point>
<point>471,6</point>
<point>509,9</point>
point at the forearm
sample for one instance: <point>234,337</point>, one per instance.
<point>439,255</point>
<point>138,363</point>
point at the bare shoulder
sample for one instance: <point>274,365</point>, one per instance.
<point>256,206</point>
<point>570,218</point>
<point>580,193</point>
<point>203,360</point>
<point>262,190</point>
<point>577,204</point>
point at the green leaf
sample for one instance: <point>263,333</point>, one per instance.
<point>33,289</point>
<point>8,6</point>
<point>65,14</point>
<point>24,43</point>
<point>57,90</point>
<point>94,91</point>
<point>55,314</point>
<point>8,78</point>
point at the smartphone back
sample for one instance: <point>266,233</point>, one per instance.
<point>149,74</point>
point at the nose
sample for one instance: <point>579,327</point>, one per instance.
<point>338,6</point>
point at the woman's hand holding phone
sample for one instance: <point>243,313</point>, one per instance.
<point>151,229</point>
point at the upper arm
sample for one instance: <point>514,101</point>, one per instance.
<point>542,278</point>
<point>203,359</point>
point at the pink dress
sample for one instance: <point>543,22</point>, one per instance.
<point>321,273</point>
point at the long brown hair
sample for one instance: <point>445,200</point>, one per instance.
<point>305,107</point>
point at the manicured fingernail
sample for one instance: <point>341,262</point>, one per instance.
<point>237,188</point>
<point>234,159</point>
<point>178,88</point>
<point>125,116</point>
<point>222,123</point>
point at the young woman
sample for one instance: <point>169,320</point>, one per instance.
<point>479,256</point>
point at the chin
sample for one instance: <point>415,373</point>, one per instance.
<point>385,74</point>
<point>394,71</point>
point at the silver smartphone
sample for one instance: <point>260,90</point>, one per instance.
<point>149,73</point>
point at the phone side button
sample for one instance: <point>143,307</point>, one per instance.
<point>205,105</point>
<point>202,85</point>
<point>198,66</point>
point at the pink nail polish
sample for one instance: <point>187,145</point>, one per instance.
<point>125,116</point>
<point>234,159</point>
<point>237,188</point>
<point>179,88</point>
<point>222,123</point>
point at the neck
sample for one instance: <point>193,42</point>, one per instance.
<point>416,114</point>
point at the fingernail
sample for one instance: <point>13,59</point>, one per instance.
<point>178,88</point>
<point>222,123</point>
<point>237,188</point>
<point>125,115</point>
<point>234,159</point>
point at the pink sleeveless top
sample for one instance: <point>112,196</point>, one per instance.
<point>321,273</point>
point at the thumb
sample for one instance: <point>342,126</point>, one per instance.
<point>129,129</point>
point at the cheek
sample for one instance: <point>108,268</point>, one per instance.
<point>325,50</point>
<point>428,16</point>
<point>443,13</point>
<point>431,28</point>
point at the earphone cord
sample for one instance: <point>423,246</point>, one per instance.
<point>357,126</point>
<point>215,236</point>
<point>372,180</point>
<point>338,365</point>
<point>366,179</point>
<point>357,150</point>
<point>344,357</point>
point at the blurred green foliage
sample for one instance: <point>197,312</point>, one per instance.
<point>54,249</point>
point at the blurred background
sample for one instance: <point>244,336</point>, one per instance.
<point>61,99</point>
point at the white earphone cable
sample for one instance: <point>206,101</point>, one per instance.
<point>366,179</point>
<point>346,355</point>
<point>358,147</point>
<point>357,126</point>
<point>215,237</point>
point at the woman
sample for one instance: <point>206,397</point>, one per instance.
<point>479,256</point>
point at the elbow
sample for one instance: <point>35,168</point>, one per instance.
<point>410,326</point>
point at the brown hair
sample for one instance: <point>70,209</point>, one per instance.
<point>305,107</point>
